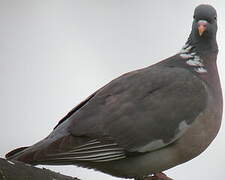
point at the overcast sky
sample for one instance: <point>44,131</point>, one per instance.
<point>53,54</point>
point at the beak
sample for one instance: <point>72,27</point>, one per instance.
<point>202,25</point>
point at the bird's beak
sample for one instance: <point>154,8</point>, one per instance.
<point>202,24</point>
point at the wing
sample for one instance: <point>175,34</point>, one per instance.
<point>91,151</point>
<point>76,108</point>
<point>141,111</point>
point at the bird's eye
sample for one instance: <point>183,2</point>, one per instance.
<point>194,16</point>
<point>215,18</point>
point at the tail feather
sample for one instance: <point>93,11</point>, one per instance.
<point>20,154</point>
<point>27,154</point>
<point>15,152</point>
<point>37,153</point>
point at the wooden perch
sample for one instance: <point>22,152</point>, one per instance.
<point>11,170</point>
<point>20,171</point>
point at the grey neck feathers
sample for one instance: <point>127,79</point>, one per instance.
<point>195,49</point>
<point>203,46</point>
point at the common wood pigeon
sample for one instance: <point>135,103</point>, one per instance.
<point>145,121</point>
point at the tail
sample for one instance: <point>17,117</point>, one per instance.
<point>18,155</point>
<point>12,153</point>
<point>29,155</point>
<point>41,152</point>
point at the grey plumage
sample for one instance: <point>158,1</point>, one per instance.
<point>147,120</point>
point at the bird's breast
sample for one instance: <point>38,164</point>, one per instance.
<point>203,130</point>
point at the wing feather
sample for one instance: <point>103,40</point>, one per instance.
<point>143,110</point>
<point>93,151</point>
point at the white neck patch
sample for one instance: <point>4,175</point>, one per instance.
<point>192,59</point>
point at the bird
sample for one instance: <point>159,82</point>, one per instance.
<point>145,121</point>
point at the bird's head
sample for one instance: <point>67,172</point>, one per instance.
<point>205,22</point>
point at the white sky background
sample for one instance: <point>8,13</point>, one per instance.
<point>53,54</point>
